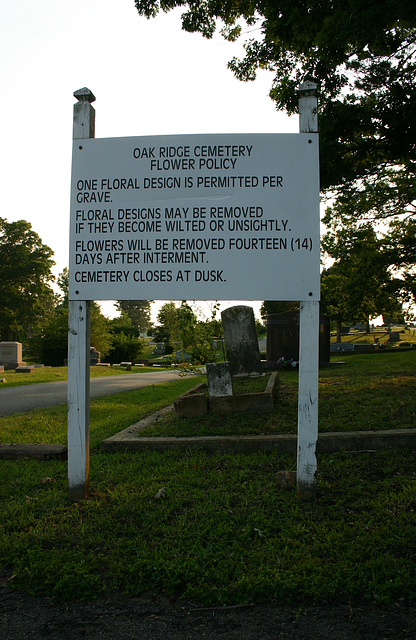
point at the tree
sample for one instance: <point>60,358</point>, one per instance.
<point>358,284</point>
<point>400,247</point>
<point>124,348</point>
<point>166,331</point>
<point>362,55</point>
<point>49,344</point>
<point>126,344</point>
<point>180,328</point>
<point>277,306</point>
<point>176,326</point>
<point>138,311</point>
<point>25,274</point>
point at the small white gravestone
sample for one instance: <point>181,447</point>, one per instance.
<point>219,380</point>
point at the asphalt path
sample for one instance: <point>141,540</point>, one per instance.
<point>31,396</point>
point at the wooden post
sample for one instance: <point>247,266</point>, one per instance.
<point>308,340</point>
<point>79,322</point>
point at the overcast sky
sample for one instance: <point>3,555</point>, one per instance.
<point>148,76</point>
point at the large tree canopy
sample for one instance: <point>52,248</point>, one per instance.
<point>25,274</point>
<point>362,55</point>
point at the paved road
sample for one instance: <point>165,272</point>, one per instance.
<point>28,397</point>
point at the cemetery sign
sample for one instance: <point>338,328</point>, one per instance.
<point>224,216</point>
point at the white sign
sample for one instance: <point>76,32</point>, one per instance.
<point>205,217</point>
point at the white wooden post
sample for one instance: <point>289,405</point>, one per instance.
<point>308,340</point>
<point>79,322</point>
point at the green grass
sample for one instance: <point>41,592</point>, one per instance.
<point>225,532</point>
<point>407,337</point>
<point>368,392</point>
<point>56,374</point>
<point>108,414</point>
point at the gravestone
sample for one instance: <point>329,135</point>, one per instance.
<point>240,339</point>
<point>11,355</point>
<point>283,337</point>
<point>219,380</point>
<point>394,336</point>
<point>94,356</point>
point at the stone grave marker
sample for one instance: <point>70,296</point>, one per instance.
<point>394,336</point>
<point>11,355</point>
<point>219,379</point>
<point>283,337</point>
<point>240,339</point>
<point>94,356</point>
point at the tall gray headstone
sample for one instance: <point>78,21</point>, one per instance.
<point>240,339</point>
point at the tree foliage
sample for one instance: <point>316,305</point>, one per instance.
<point>25,276</point>
<point>49,344</point>
<point>126,345</point>
<point>359,284</point>
<point>138,311</point>
<point>362,55</point>
<point>277,306</point>
<point>180,329</point>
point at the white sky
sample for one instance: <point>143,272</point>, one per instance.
<point>149,78</point>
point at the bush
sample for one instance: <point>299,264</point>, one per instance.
<point>51,346</point>
<point>124,348</point>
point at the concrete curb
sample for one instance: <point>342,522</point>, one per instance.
<point>15,451</point>
<point>128,440</point>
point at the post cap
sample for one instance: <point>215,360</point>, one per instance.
<point>84,95</point>
<point>308,88</point>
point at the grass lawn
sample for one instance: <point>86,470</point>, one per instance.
<point>368,392</point>
<point>108,414</point>
<point>223,532</point>
<point>381,335</point>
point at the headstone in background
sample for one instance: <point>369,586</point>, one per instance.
<point>11,355</point>
<point>324,339</point>
<point>241,344</point>
<point>219,380</point>
<point>94,356</point>
<point>394,336</point>
<point>283,337</point>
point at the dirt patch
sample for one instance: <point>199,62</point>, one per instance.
<point>24,617</point>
